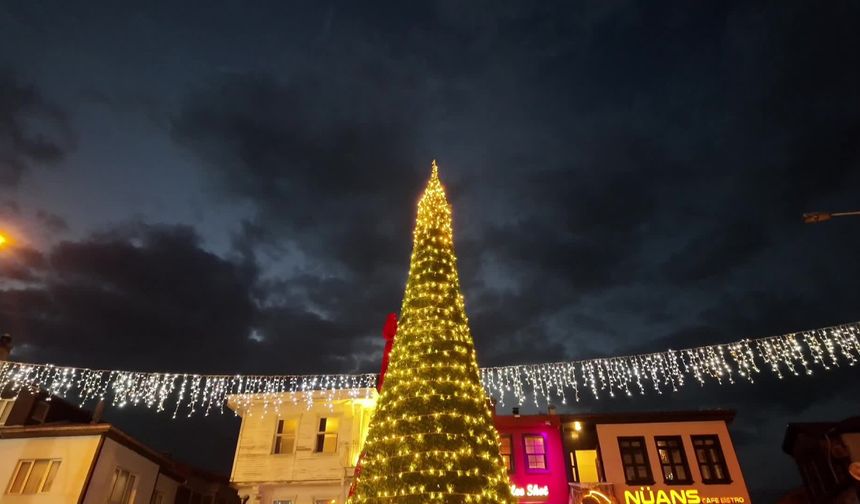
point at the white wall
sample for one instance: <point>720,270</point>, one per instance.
<point>76,453</point>
<point>168,487</point>
<point>610,453</point>
<point>302,475</point>
<point>113,455</point>
<point>301,494</point>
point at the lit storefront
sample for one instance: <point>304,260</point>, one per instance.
<point>532,449</point>
<point>652,458</point>
<point>621,458</point>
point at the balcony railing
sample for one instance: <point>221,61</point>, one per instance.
<point>593,493</point>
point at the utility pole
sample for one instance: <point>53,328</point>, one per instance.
<point>816,217</point>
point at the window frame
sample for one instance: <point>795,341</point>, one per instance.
<point>649,478</point>
<point>282,421</point>
<point>40,410</point>
<point>526,454</point>
<point>711,464</point>
<point>129,491</point>
<point>576,469</point>
<point>510,455</point>
<point>320,448</point>
<point>40,488</point>
<point>685,464</point>
<point>6,405</point>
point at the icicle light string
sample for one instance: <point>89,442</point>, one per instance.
<point>795,354</point>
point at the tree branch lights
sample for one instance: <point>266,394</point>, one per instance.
<point>432,437</point>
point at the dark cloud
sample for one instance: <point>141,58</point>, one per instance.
<point>21,264</point>
<point>125,297</point>
<point>51,221</point>
<point>33,131</point>
<point>122,297</point>
<point>317,159</point>
<point>10,208</point>
<point>625,177</point>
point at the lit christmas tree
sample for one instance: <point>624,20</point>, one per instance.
<point>432,436</point>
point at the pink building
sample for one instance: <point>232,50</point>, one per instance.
<point>533,451</point>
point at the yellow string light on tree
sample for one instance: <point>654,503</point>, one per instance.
<point>433,408</point>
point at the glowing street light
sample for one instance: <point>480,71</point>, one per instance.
<point>816,217</point>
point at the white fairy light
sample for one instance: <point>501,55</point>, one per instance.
<point>796,354</point>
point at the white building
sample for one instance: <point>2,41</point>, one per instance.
<point>52,453</point>
<point>80,463</point>
<point>292,454</point>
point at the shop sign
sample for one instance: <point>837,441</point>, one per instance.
<point>690,496</point>
<point>530,491</point>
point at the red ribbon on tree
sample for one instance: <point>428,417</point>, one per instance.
<point>388,332</point>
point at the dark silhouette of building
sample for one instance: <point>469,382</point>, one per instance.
<point>828,457</point>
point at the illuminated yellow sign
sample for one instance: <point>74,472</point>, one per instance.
<point>647,496</point>
<point>598,497</point>
<point>530,491</point>
<point>691,496</point>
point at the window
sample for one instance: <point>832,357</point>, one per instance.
<point>5,409</point>
<point>634,458</point>
<point>673,460</point>
<point>33,476</point>
<point>285,436</point>
<point>709,455</point>
<point>535,451</point>
<point>327,436</point>
<point>505,450</point>
<point>122,488</point>
<point>40,412</point>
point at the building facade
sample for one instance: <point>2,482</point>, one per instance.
<point>86,464</point>
<point>659,458</point>
<point>532,448</point>
<point>52,452</point>
<point>294,454</point>
<point>828,458</point>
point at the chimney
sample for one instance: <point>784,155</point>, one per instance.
<point>5,347</point>
<point>98,412</point>
<point>551,410</point>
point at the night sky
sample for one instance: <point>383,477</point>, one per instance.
<point>230,187</point>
